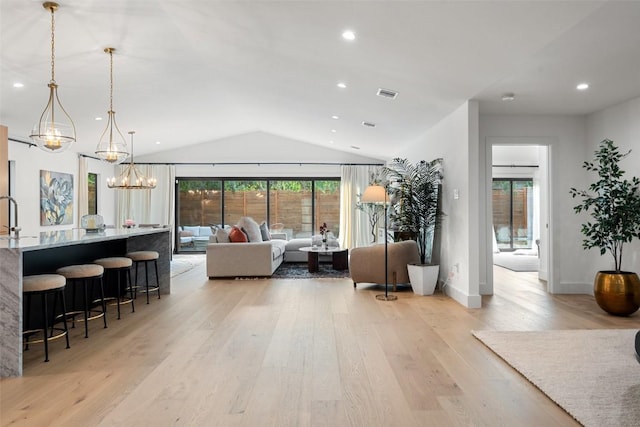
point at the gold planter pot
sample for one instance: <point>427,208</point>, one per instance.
<point>617,293</point>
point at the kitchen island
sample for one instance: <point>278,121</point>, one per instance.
<point>44,253</point>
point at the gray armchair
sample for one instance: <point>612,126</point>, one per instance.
<point>366,264</point>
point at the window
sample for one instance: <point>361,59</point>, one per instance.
<point>300,205</point>
<point>245,198</point>
<point>291,205</point>
<point>93,194</point>
<point>513,212</point>
<point>327,203</point>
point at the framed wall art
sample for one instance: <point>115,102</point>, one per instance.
<point>56,198</point>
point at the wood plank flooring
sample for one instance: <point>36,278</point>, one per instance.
<point>297,353</point>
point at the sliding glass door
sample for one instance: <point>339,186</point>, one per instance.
<point>297,206</point>
<point>513,212</point>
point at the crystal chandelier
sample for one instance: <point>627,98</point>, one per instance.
<point>112,146</point>
<point>131,178</point>
<point>55,131</point>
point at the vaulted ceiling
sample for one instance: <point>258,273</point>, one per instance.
<point>193,71</point>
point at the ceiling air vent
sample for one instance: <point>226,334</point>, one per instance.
<point>368,124</point>
<point>355,147</point>
<point>387,93</point>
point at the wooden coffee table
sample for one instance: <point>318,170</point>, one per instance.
<point>339,256</point>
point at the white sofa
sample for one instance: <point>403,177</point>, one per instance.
<point>244,259</point>
<point>194,236</point>
<point>294,254</point>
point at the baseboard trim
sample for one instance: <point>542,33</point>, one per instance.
<point>574,288</point>
<point>469,301</point>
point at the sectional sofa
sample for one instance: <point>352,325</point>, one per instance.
<point>257,257</point>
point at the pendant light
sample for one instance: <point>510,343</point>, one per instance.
<point>131,178</point>
<point>112,147</point>
<point>55,131</point>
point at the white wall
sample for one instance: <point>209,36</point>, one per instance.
<point>567,135</point>
<point>29,161</point>
<point>256,147</point>
<point>455,140</point>
<point>621,124</point>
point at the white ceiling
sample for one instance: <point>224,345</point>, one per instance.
<point>192,71</point>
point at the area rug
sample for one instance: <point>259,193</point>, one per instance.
<point>516,262</point>
<point>183,263</point>
<point>592,374</point>
<point>300,270</point>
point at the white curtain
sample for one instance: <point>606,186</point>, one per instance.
<point>83,187</point>
<point>155,206</point>
<point>354,224</point>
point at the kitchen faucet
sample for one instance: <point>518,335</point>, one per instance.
<point>15,228</point>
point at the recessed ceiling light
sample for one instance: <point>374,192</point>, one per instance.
<point>335,117</point>
<point>342,85</point>
<point>98,118</point>
<point>18,85</point>
<point>508,96</point>
<point>349,35</point>
<point>330,142</point>
<point>582,86</point>
<point>157,142</point>
<point>333,131</point>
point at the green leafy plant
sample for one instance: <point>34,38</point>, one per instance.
<point>613,203</point>
<point>415,194</point>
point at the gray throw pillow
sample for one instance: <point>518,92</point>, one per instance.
<point>264,230</point>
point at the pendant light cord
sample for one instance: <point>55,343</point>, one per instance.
<point>53,45</point>
<point>111,79</point>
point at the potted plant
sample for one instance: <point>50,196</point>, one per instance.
<point>415,195</point>
<point>613,203</point>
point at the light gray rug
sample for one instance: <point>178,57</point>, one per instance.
<point>591,374</point>
<point>516,262</point>
<point>183,263</point>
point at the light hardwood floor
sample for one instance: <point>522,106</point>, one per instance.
<point>298,353</point>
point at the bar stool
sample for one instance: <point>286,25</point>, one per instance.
<point>44,285</point>
<point>119,266</point>
<point>146,257</point>
<point>85,275</point>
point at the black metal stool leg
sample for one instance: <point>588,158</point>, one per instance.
<point>146,279</point>
<point>131,290</point>
<point>155,263</point>
<point>46,326</point>
<point>104,304</point>
<point>64,317</point>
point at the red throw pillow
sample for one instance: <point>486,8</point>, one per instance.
<point>237,236</point>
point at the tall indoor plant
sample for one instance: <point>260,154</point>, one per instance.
<point>613,202</point>
<point>416,211</point>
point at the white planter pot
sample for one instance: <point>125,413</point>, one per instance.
<point>423,278</point>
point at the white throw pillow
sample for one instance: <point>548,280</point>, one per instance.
<point>222,235</point>
<point>251,227</point>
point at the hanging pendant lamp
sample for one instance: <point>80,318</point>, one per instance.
<point>55,131</point>
<point>131,178</point>
<point>112,147</point>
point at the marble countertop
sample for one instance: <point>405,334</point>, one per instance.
<point>74,236</point>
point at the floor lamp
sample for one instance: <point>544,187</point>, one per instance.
<point>378,194</point>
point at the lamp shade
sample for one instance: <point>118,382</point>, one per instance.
<point>374,194</point>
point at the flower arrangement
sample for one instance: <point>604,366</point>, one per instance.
<point>129,223</point>
<point>323,231</point>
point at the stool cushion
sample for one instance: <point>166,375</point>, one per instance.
<point>81,271</point>
<point>43,282</point>
<point>114,262</point>
<point>143,255</point>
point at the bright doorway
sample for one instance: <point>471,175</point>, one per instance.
<point>518,208</point>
